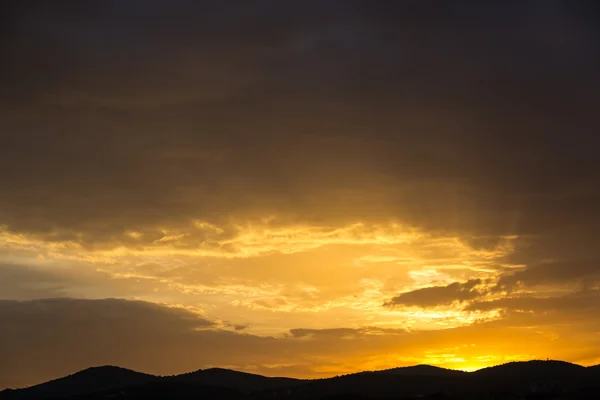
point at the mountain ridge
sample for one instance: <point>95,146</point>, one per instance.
<point>103,377</point>
<point>244,381</point>
<point>411,380</point>
<point>542,367</point>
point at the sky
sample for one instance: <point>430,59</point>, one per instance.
<point>297,188</point>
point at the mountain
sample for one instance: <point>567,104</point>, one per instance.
<point>164,389</point>
<point>382,384</point>
<point>533,369</point>
<point>234,379</point>
<point>421,370</point>
<point>93,379</point>
<point>519,377</point>
<point>421,381</point>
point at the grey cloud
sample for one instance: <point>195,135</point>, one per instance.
<point>347,86</point>
<point>20,282</point>
<point>336,333</point>
<point>475,117</point>
<point>562,257</point>
<point>439,295</point>
<point>340,333</point>
<point>587,302</point>
<point>42,338</point>
<point>29,281</point>
<point>240,327</point>
<point>566,271</point>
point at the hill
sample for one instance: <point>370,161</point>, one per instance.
<point>550,375</point>
<point>243,381</point>
<point>533,369</point>
<point>93,379</point>
<point>395,383</point>
<point>405,382</point>
<point>164,389</point>
<point>594,368</point>
<point>421,370</point>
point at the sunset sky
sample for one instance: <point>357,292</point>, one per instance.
<point>300,188</point>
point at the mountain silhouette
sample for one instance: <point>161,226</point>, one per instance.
<point>421,381</point>
<point>164,389</point>
<point>533,369</point>
<point>89,380</point>
<point>242,381</point>
<point>421,370</point>
<point>522,376</point>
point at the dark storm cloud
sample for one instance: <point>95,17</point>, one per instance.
<point>476,117</point>
<point>439,295</point>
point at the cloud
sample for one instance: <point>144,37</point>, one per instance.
<point>325,116</point>
<point>35,334</point>
<point>225,241</point>
<point>287,286</point>
<point>336,333</point>
<point>561,258</point>
<point>192,128</point>
<point>440,295</point>
<point>572,304</point>
<point>21,283</point>
<point>240,327</point>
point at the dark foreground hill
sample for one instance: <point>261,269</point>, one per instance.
<point>109,382</point>
<point>535,368</point>
<point>92,379</point>
<point>421,370</point>
<point>242,381</point>
<point>164,389</point>
<point>545,378</point>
